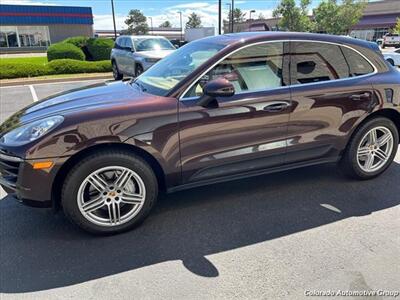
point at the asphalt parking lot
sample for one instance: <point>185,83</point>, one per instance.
<point>271,237</point>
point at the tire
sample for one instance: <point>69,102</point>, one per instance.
<point>138,70</point>
<point>383,46</point>
<point>116,74</point>
<point>140,180</point>
<point>354,166</point>
<point>390,61</point>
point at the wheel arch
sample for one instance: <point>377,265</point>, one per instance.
<point>68,165</point>
<point>388,113</point>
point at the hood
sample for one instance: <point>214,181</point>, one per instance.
<point>155,54</point>
<point>78,100</point>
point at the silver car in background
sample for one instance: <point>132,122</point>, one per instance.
<point>132,55</point>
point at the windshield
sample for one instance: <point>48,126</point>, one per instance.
<point>167,73</point>
<point>152,44</point>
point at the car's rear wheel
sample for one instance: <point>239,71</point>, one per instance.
<point>390,61</point>
<point>371,150</point>
<point>109,192</point>
<point>138,70</point>
<point>116,74</point>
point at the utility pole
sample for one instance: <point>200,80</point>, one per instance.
<point>233,8</point>
<point>219,16</point>
<point>252,11</point>
<point>180,17</point>
<point>113,14</point>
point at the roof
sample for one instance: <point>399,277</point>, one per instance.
<point>253,37</point>
<point>39,15</point>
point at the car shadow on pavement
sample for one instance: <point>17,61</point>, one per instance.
<point>40,251</point>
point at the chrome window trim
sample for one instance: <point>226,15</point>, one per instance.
<point>181,97</point>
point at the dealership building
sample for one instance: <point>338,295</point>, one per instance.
<point>31,27</point>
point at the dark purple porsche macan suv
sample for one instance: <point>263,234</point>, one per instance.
<point>217,109</point>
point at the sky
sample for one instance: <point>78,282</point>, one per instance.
<point>160,10</point>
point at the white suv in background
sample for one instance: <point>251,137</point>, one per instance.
<point>132,55</point>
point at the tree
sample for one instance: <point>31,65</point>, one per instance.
<point>194,21</point>
<point>238,15</point>
<point>137,22</point>
<point>261,16</point>
<point>166,24</point>
<point>397,28</point>
<point>294,18</point>
<point>334,18</point>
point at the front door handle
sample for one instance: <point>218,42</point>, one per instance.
<point>362,96</point>
<point>276,106</point>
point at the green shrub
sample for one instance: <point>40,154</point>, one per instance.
<point>70,66</point>
<point>10,70</point>
<point>78,41</point>
<point>100,49</point>
<point>64,50</point>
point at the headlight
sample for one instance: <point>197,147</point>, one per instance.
<point>30,132</point>
<point>151,60</point>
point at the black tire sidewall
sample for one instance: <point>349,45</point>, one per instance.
<point>138,67</point>
<point>356,140</point>
<point>118,75</point>
<point>98,161</point>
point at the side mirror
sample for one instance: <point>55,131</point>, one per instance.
<point>219,87</point>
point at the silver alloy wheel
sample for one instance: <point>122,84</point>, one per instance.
<point>111,196</point>
<point>375,149</point>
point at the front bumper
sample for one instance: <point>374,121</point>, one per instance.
<point>29,186</point>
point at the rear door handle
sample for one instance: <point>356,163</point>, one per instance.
<point>276,106</point>
<point>362,96</point>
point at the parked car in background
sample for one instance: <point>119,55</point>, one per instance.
<point>379,42</point>
<point>218,109</point>
<point>393,57</point>
<point>391,40</point>
<point>132,55</point>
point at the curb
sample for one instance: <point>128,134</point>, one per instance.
<point>53,80</point>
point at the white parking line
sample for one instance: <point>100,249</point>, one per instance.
<point>59,82</point>
<point>33,92</point>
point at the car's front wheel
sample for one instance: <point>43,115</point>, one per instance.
<point>109,192</point>
<point>116,74</point>
<point>372,149</point>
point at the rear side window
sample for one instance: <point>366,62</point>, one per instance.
<point>358,65</point>
<point>316,62</point>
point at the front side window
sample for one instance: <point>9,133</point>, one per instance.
<point>167,73</point>
<point>251,69</point>
<point>317,62</point>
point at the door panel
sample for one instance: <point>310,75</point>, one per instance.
<point>246,132</point>
<point>326,101</point>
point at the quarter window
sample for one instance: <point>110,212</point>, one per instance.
<point>358,65</point>
<point>254,68</point>
<point>316,62</point>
